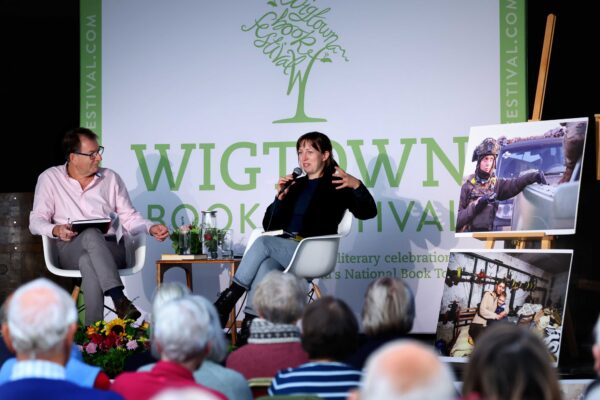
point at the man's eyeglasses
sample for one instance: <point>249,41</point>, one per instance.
<point>92,155</point>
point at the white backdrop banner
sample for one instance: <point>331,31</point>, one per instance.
<point>199,105</point>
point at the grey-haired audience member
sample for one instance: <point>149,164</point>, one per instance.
<point>167,292</point>
<point>593,390</point>
<point>181,330</point>
<point>511,362</point>
<point>211,373</point>
<point>41,320</point>
<point>388,314</point>
<point>274,341</point>
<point>405,370</point>
<point>281,299</point>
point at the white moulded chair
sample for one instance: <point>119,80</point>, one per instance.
<point>135,247</point>
<point>315,256</point>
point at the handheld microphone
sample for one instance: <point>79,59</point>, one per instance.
<point>297,172</point>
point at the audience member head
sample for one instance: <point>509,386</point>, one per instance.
<point>167,292</point>
<point>596,347</point>
<point>72,140</point>
<point>216,339</point>
<point>280,298</point>
<point>163,294</point>
<point>181,332</point>
<point>40,321</point>
<point>406,370</point>
<point>329,329</point>
<point>511,362</point>
<point>389,308</point>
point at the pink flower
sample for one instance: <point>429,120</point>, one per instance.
<point>91,348</point>
<point>132,345</point>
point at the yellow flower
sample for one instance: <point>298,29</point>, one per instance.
<point>145,325</point>
<point>117,322</point>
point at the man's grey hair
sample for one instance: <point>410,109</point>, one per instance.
<point>280,298</point>
<point>181,329</point>
<point>218,347</point>
<point>389,308</point>
<point>406,370</point>
<point>38,316</point>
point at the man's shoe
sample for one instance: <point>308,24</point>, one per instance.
<point>126,310</point>
<point>227,300</point>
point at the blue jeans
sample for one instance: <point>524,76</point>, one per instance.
<point>267,253</point>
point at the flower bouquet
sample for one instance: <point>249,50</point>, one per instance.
<point>108,344</point>
<point>195,242</point>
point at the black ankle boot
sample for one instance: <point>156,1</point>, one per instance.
<point>245,330</point>
<point>227,300</point>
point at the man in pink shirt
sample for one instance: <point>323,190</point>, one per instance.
<point>77,190</point>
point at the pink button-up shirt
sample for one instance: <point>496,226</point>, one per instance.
<point>59,199</point>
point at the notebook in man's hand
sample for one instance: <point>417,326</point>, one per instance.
<point>101,223</point>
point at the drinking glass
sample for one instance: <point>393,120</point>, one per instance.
<point>227,244</point>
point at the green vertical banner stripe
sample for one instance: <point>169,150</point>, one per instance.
<point>90,33</point>
<point>513,68</point>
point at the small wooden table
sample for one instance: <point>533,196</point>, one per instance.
<point>163,265</point>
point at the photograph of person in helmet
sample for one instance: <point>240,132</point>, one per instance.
<point>522,177</point>
<point>481,190</point>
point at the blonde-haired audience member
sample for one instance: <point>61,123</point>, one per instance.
<point>388,314</point>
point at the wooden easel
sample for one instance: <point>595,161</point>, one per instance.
<point>521,238</point>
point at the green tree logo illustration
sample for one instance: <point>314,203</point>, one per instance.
<point>295,35</point>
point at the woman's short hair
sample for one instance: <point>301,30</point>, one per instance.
<point>280,298</point>
<point>38,315</point>
<point>329,329</point>
<point>181,329</point>
<point>167,292</point>
<point>320,142</point>
<point>218,347</point>
<point>511,362</point>
<point>389,308</point>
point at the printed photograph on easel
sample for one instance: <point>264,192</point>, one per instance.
<point>522,177</point>
<point>485,287</point>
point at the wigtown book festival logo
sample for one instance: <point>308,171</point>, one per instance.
<point>294,35</point>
